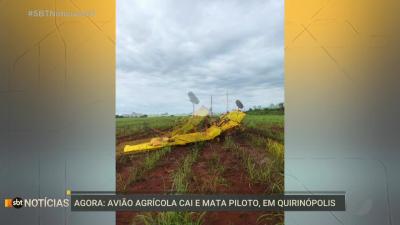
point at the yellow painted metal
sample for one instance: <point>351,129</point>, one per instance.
<point>231,120</point>
<point>226,122</point>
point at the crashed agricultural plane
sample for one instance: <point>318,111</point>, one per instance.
<point>182,137</point>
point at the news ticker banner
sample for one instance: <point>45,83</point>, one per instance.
<point>105,201</point>
<point>198,202</point>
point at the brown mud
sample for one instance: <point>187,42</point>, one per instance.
<point>231,179</point>
<point>235,178</point>
<point>157,180</point>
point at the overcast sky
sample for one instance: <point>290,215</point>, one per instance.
<point>167,48</point>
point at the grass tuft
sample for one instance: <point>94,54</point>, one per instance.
<point>276,149</point>
<point>136,173</point>
<point>180,178</point>
<point>268,172</point>
<point>151,159</point>
<point>171,218</point>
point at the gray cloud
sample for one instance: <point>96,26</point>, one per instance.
<point>167,48</point>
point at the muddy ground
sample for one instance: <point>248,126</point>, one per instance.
<point>216,170</point>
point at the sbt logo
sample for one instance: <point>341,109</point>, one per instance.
<point>15,202</point>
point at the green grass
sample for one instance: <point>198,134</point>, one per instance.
<point>136,173</point>
<point>152,158</point>
<point>229,144</point>
<point>180,178</point>
<point>122,183</point>
<point>180,184</point>
<point>277,151</point>
<point>268,172</point>
<point>215,169</point>
<point>258,173</point>
<point>171,218</point>
<point>271,120</point>
<point>256,141</point>
<point>256,128</point>
<point>215,165</point>
<point>134,126</point>
<point>269,126</point>
<point>271,217</point>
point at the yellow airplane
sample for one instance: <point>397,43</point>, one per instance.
<point>226,122</point>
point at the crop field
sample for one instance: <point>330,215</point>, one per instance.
<point>246,160</point>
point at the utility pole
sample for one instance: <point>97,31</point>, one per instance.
<point>227,108</point>
<point>211,113</point>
